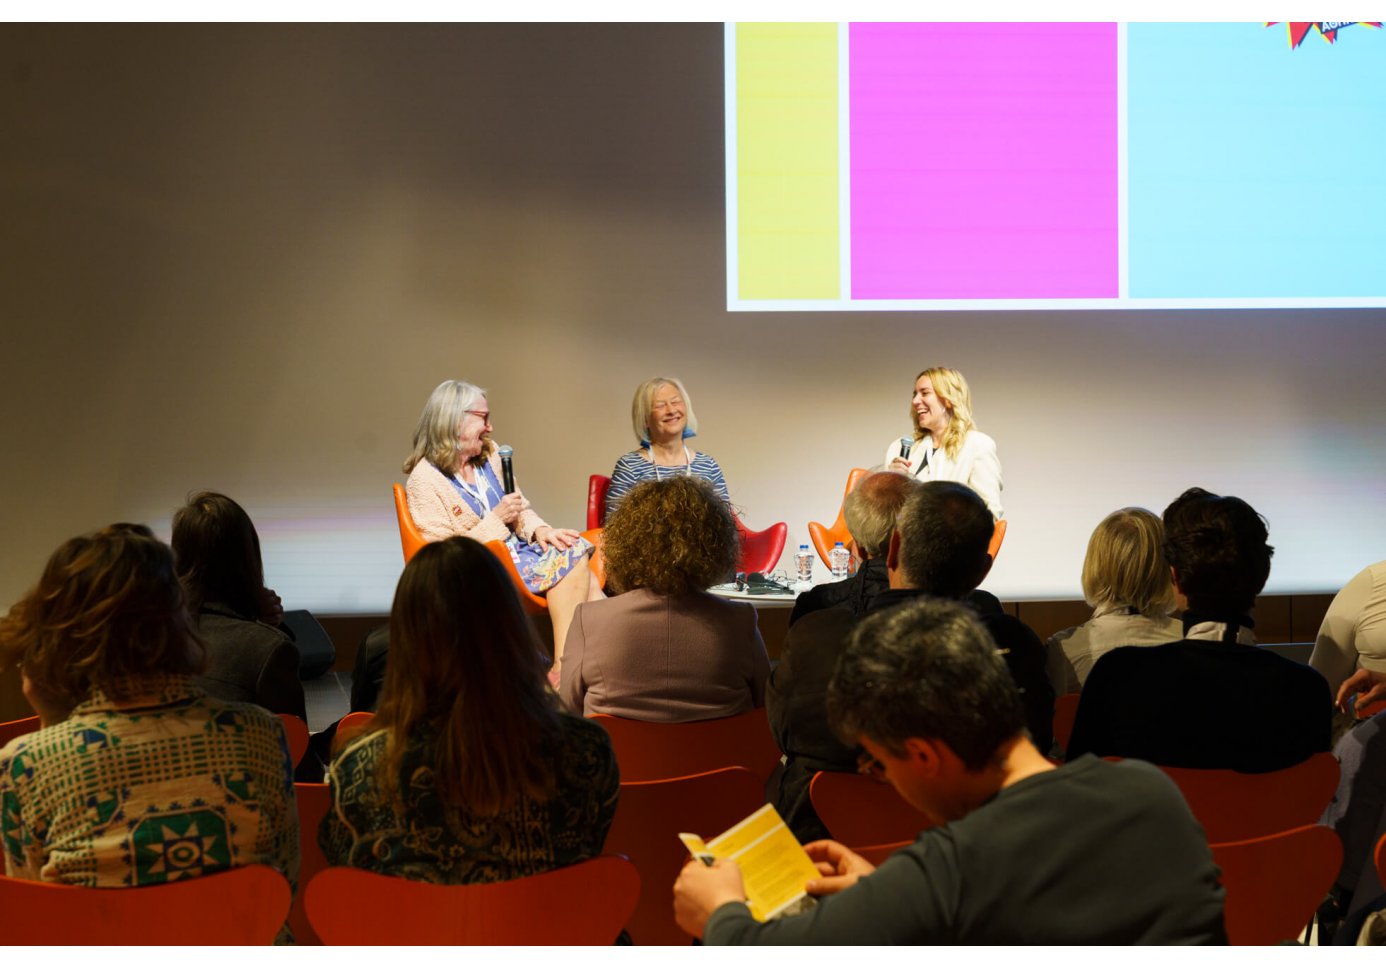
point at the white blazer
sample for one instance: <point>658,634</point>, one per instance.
<point>977,466</point>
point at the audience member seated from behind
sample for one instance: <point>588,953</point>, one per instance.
<point>870,511</point>
<point>1126,581</point>
<point>1212,700</point>
<point>662,418</point>
<point>1026,853</point>
<point>938,548</point>
<point>664,649</point>
<point>469,771</point>
<point>455,488</point>
<point>137,777</point>
<point>249,657</point>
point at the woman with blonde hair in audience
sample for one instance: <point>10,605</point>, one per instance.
<point>137,777</point>
<point>1127,582</point>
<point>662,419</point>
<point>455,488</point>
<point>470,771</point>
<point>946,445</point>
<point>665,649</point>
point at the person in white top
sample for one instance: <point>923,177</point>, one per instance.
<point>947,445</point>
<point>1353,634</point>
<point>1127,583</point>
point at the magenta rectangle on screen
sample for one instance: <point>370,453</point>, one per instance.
<point>983,161</point>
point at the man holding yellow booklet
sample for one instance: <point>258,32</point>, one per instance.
<point>1025,853</point>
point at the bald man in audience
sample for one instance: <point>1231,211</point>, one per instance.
<point>1023,852</point>
<point>939,547</point>
<point>1212,700</point>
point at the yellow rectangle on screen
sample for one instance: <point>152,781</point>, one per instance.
<point>787,161</point>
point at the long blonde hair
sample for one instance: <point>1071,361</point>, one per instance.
<point>950,387</point>
<point>1125,565</point>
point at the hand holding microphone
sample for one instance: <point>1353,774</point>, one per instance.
<point>902,463</point>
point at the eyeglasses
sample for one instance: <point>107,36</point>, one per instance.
<point>868,765</point>
<point>485,415</point>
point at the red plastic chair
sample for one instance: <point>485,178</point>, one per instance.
<point>860,811</point>
<point>314,801</point>
<point>1234,806</point>
<point>1379,858</point>
<point>659,751</point>
<point>1275,884</point>
<point>18,727</point>
<point>240,906</point>
<point>649,817</point>
<point>876,854</point>
<point>585,904</point>
<point>760,550</point>
<point>1065,713</point>
<point>349,727</point>
<point>296,733</point>
<point>410,540</point>
<point>825,536</point>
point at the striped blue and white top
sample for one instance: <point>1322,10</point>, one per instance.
<point>634,468</point>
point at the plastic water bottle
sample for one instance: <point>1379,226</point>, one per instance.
<point>839,558</point>
<point>804,562</point>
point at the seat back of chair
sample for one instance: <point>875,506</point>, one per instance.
<point>1234,806</point>
<point>18,727</point>
<point>1275,884</point>
<point>825,536</point>
<point>585,904</point>
<point>1379,859</point>
<point>649,817</point>
<point>597,486</point>
<point>658,751</point>
<point>410,541</point>
<point>296,734</point>
<point>761,550</point>
<point>860,811</point>
<point>1065,713</point>
<point>314,801</point>
<point>349,727</point>
<point>998,535</point>
<point>240,906</point>
<point>876,854</point>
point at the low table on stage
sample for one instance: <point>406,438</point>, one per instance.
<point>772,610</point>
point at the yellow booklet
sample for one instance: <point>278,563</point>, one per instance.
<point>773,864</point>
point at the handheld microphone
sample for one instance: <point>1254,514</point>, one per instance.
<point>507,456</point>
<point>905,444</point>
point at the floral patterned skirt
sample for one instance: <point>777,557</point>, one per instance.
<point>543,568</point>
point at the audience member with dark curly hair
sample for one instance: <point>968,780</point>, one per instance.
<point>137,777</point>
<point>665,650</point>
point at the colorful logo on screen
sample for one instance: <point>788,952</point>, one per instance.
<point>1327,30</point>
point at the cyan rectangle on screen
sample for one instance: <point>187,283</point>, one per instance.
<point>1255,169</point>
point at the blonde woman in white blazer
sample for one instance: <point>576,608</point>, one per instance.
<point>947,446</point>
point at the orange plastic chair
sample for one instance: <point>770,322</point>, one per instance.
<point>348,728</point>
<point>825,536</point>
<point>410,540</point>
<point>18,727</point>
<point>1379,858</point>
<point>296,732</point>
<point>314,801</point>
<point>998,535</point>
<point>1065,713</point>
<point>859,810</point>
<point>658,751</point>
<point>1234,806</point>
<point>240,906</point>
<point>876,854</point>
<point>1275,884</point>
<point>585,904</point>
<point>532,603</point>
<point>649,817</point>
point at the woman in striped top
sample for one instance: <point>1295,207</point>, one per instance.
<point>662,418</point>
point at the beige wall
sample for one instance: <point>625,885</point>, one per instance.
<point>240,257</point>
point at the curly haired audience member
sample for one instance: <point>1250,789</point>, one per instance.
<point>470,771</point>
<point>137,777</point>
<point>665,650</point>
<point>1126,581</point>
<point>249,658</point>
